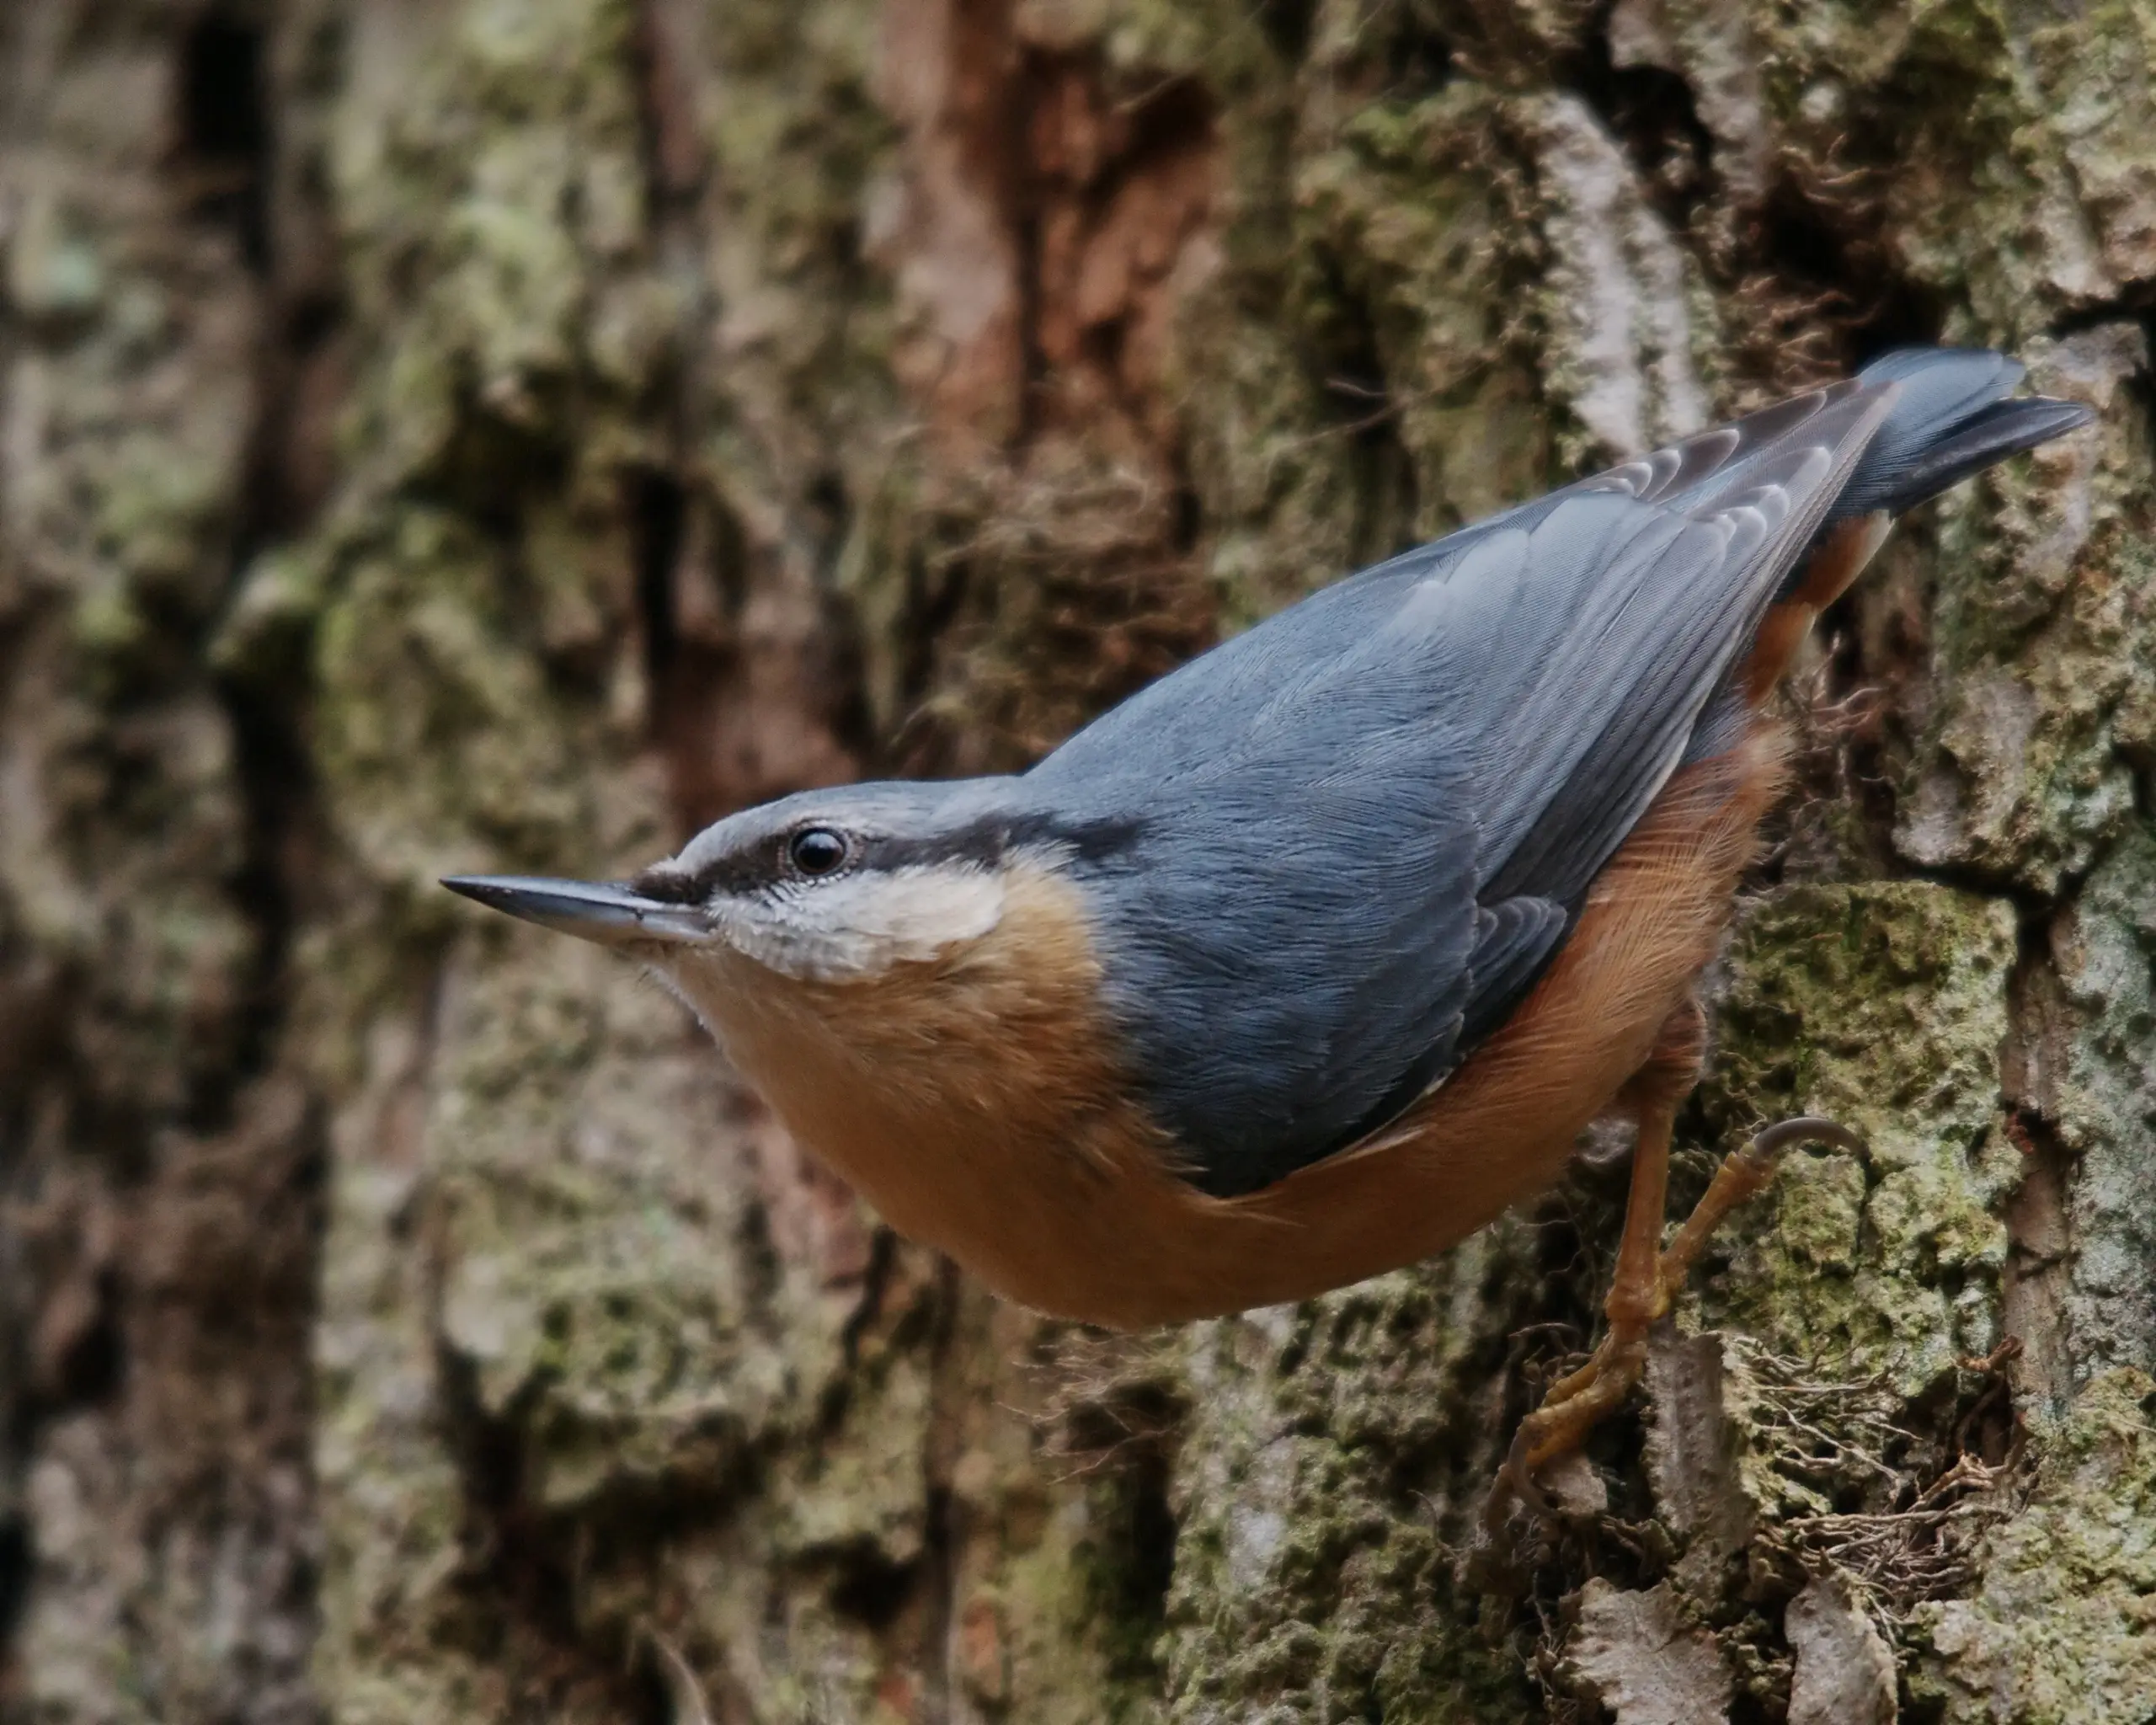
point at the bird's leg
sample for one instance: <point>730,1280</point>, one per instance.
<point>1648,1274</point>
<point>1639,1293</point>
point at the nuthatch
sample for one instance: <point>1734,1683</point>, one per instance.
<point>1314,955</point>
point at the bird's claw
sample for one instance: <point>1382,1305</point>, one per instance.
<point>1575,1403</point>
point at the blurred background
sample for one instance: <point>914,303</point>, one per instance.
<point>446,435</point>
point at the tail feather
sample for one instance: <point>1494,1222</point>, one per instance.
<point>1951,417</point>
<point>1950,421</point>
<point>2004,428</point>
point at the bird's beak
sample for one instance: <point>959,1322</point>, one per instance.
<point>598,911</point>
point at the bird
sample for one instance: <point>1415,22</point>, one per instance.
<point>1316,954</point>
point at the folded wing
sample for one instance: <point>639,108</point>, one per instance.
<point>1365,826</point>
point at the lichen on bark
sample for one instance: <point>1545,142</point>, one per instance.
<point>2058,1627</point>
<point>1881,1006</point>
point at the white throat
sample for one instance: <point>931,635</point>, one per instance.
<point>862,926</point>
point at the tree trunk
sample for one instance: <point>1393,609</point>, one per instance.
<point>503,435</point>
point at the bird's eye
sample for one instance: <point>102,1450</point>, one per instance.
<point>817,851</point>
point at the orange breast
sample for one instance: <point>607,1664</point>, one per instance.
<point>976,1105</point>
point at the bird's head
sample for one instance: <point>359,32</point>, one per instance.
<point>881,960</point>
<point>824,888</point>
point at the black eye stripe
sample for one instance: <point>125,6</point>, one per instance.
<point>767,860</point>
<point>985,843</point>
<point>664,886</point>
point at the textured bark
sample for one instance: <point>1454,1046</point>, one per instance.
<point>493,435</point>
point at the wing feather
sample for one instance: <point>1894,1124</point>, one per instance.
<point>1363,830</point>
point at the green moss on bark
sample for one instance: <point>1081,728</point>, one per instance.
<point>2060,1630</point>
<point>1883,1007</point>
<point>2100,1097</point>
<point>1333,1447</point>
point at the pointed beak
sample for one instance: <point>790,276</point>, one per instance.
<point>598,911</point>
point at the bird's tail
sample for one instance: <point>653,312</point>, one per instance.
<point>1950,421</point>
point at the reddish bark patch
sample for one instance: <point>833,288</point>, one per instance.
<point>1056,216</point>
<point>1051,225</point>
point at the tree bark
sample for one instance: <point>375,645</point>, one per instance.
<point>449,435</point>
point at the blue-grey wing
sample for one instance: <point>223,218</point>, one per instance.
<point>1362,827</point>
<point>1179,723</point>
